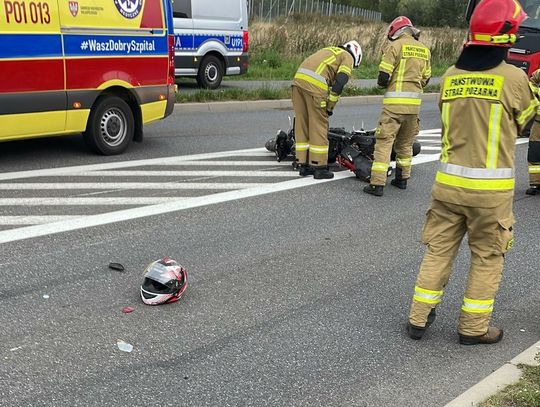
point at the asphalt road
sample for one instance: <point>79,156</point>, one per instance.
<point>295,298</point>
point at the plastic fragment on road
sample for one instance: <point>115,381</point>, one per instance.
<point>117,266</point>
<point>128,310</point>
<point>124,346</point>
<point>46,296</point>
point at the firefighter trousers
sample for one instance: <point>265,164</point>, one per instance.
<point>401,129</point>
<point>310,128</point>
<point>490,236</point>
<point>534,153</point>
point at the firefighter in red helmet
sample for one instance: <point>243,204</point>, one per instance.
<point>404,71</point>
<point>484,103</point>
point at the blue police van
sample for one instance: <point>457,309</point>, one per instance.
<point>211,39</point>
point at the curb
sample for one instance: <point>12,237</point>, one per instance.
<point>254,105</point>
<point>506,375</point>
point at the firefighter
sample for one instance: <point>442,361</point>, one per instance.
<point>316,88</point>
<point>534,146</point>
<point>484,102</point>
<point>404,71</point>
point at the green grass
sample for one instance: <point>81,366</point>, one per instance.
<point>525,393</point>
<point>266,93</point>
<point>269,65</point>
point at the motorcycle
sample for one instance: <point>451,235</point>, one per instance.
<point>350,150</point>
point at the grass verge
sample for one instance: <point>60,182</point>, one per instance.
<point>268,93</point>
<point>268,65</point>
<point>525,393</point>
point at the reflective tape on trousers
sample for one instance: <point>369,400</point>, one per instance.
<point>476,173</point>
<point>408,95</point>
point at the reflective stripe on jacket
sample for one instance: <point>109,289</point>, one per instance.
<point>482,113</point>
<point>408,62</point>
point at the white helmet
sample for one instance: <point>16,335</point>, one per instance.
<point>355,50</point>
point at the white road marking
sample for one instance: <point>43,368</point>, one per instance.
<point>431,148</point>
<point>128,185</point>
<point>63,201</point>
<point>168,204</point>
<point>187,173</point>
<point>33,220</point>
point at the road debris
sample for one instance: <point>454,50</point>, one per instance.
<point>124,346</point>
<point>117,267</point>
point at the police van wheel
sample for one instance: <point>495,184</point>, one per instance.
<point>210,73</point>
<point>110,127</point>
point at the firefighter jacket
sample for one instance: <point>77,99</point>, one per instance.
<point>408,62</point>
<point>482,113</point>
<point>318,73</point>
<point>535,80</point>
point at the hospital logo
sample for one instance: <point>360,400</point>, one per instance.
<point>74,8</point>
<point>129,8</point>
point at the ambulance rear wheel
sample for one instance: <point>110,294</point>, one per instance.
<point>110,127</point>
<point>210,73</point>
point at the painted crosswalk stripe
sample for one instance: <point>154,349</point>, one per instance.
<point>194,173</point>
<point>62,201</point>
<point>127,185</point>
<point>34,220</point>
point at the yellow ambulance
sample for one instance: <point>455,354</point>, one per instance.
<point>103,68</point>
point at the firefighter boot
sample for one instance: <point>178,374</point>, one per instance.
<point>533,190</point>
<point>398,181</point>
<point>305,170</point>
<point>493,335</point>
<point>376,190</point>
<point>416,332</point>
<point>323,173</point>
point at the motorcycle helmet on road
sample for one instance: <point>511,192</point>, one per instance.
<point>164,282</point>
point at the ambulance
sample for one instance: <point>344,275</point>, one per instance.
<point>103,68</point>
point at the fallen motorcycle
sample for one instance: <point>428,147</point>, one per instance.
<point>351,150</point>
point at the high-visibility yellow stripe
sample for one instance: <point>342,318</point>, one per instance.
<point>386,67</point>
<point>345,69</point>
<point>401,75</point>
<point>495,117</point>
<point>325,63</point>
<point>534,169</point>
<point>377,166</point>
<point>477,306</point>
<point>517,9</point>
<point>404,162</point>
<point>402,101</point>
<point>475,184</point>
<point>427,296</point>
<point>445,117</point>
<point>311,80</point>
<point>332,97</point>
<point>527,113</point>
<point>335,50</point>
<point>302,146</point>
<point>318,149</point>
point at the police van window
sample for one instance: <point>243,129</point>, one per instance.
<point>182,8</point>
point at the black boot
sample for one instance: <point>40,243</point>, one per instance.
<point>398,181</point>
<point>305,170</point>
<point>323,173</point>
<point>416,332</point>
<point>533,190</point>
<point>376,190</point>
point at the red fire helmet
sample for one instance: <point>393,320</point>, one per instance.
<point>495,23</point>
<point>397,24</point>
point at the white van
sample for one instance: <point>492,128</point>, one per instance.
<point>211,39</point>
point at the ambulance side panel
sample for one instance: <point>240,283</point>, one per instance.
<point>114,51</point>
<point>32,83</point>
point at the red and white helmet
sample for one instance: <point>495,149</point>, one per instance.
<point>164,282</point>
<point>495,23</point>
<point>355,50</point>
<point>396,25</point>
